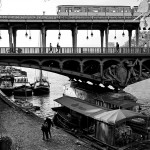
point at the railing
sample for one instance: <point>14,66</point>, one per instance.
<point>71,50</point>
<point>60,17</point>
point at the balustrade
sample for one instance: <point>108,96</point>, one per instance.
<point>57,17</point>
<point>73,50</point>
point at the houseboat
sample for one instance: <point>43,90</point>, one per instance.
<point>112,120</point>
<point>6,84</point>
<point>41,86</point>
<point>22,87</point>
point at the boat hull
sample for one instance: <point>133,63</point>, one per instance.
<point>41,90</point>
<point>23,93</point>
<point>7,91</point>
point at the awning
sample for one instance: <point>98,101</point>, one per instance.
<point>80,107</point>
<point>117,116</point>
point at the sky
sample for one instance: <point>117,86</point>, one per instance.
<point>36,7</point>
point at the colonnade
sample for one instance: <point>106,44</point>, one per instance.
<point>13,33</point>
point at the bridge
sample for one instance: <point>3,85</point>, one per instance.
<point>103,64</point>
<point>118,68</point>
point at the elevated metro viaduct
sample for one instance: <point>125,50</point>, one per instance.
<point>119,69</point>
<point>12,23</point>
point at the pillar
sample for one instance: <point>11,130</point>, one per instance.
<point>101,69</point>
<point>43,32</point>
<point>10,32</point>
<point>102,39</point>
<point>81,67</point>
<point>74,38</point>
<point>140,63</point>
<point>106,37</point>
<point>130,35</point>
<point>61,66</point>
<point>14,38</point>
<point>137,37</point>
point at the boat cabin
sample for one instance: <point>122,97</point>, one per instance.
<point>21,80</point>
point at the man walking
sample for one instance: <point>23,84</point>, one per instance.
<point>50,124</point>
<point>50,48</point>
<point>45,131</point>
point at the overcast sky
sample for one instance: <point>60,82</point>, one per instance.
<point>36,7</point>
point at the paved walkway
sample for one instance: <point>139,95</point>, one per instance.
<point>25,131</point>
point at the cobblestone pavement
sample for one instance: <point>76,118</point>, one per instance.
<point>25,131</point>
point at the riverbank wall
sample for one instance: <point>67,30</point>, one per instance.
<point>10,103</point>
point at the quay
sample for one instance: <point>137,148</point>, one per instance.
<point>25,131</point>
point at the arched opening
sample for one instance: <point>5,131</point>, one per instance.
<point>51,63</point>
<point>71,65</point>
<point>91,67</point>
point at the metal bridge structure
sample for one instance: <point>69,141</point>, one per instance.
<point>107,65</point>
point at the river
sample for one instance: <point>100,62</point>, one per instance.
<point>46,102</point>
<point>141,90</point>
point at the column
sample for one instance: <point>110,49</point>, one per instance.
<point>61,66</point>
<point>101,69</point>
<point>81,67</point>
<point>74,39</point>
<point>140,63</point>
<point>137,37</point>
<point>102,39</point>
<point>106,37</point>
<point>10,32</point>
<point>130,35</point>
<point>43,32</point>
<point>14,38</point>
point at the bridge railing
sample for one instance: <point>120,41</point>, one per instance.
<point>71,50</point>
<point>66,17</point>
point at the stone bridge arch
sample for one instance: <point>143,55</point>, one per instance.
<point>72,65</point>
<point>91,66</point>
<point>31,62</point>
<point>51,63</point>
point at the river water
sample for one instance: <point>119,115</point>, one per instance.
<point>46,102</point>
<point>141,90</point>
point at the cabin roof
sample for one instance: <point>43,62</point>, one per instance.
<point>80,107</point>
